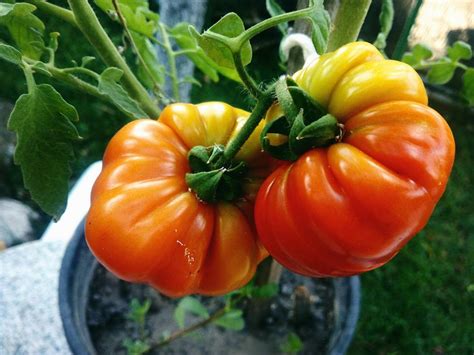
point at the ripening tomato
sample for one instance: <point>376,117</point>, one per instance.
<point>350,207</point>
<point>145,225</point>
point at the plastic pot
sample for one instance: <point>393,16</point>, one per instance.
<point>78,269</point>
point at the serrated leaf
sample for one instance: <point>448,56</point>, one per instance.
<point>468,86</point>
<point>138,16</point>
<point>274,10</point>
<point>231,25</point>
<point>421,52</point>
<point>42,120</point>
<point>109,85</point>
<point>441,72</point>
<point>191,305</point>
<point>150,57</point>
<point>25,28</point>
<point>232,320</point>
<point>460,50</point>
<point>10,54</point>
<point>321,23</point>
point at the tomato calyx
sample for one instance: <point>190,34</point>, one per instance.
<point>304,125</point>
<point>211,180</point>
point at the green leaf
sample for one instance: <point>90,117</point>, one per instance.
<point>135,347</point>
<point>25,28</point>
<point>10,54</point>
<point>386,22</point>
<point>232,320</point>
<point>42,121</point>
<point>460,50</point>
<point>441,72</point>
<point>186,41</point>
<point>321,22</point>
<point>86,60</point>
<point>109,85</point>
<point>191,305</point>
<point>265,291</point>
<point>231,25</point>
<point>274,10</point>
<point>421,52</point>
<point>293,344</point>
<point>468,86</point>
<point>138,16</point>
<point>138,311</point>
<point>410,59</point>
<point>150,57</point>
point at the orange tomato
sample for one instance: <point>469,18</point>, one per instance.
<point>144,224</point>
<point>351,207</point>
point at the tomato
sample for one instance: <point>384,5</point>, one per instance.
<point>145,225</point>
<point>350,207</point>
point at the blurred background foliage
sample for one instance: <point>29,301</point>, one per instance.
<point>420,303</point>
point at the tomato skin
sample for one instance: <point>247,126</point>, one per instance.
<point>144,224</point>
<point>350,207</point>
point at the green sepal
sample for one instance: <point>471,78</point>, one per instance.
<point>312,108</point>
<point>202,158</point>
<point>209,180</point>
<point>205,184</point>
<point>305,122</point>
<point>320,133</point>
<point>281,151</point>
<point>285,100</point>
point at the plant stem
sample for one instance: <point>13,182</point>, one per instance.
<point>402,42</point>
<point>245,77</point>
<point>348,22</point>
<point>73,81</point>
<point>171,61</point>
<point>30,79</point>
<point>182,332</point>
<point>54,10</point>
<point>135,48</point>
<point>80,70</point>
<point>268,272</point>
<point>263,104</point>
<point>91,28</point>
<point>272,22</point>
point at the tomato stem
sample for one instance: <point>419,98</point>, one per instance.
<point>54,10</point>
<point>247,80</point>
<point>349,19</point>
<point>264,102</point>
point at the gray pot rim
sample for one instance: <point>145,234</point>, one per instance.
<point>78,267</point>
